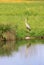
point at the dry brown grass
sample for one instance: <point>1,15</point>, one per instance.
<point>18,1</point>
<point>11,0</point>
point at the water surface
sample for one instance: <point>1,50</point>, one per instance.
<point>25,55</point>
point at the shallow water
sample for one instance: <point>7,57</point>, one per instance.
<point>32,55</point>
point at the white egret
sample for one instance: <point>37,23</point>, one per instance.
<point>27,25</point>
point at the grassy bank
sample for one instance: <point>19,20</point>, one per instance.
<point>14,15</point>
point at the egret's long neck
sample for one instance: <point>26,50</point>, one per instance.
<point>25,21</point>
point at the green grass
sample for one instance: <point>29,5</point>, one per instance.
<point>14,14</point>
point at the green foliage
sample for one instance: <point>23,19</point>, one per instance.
<point>5,28</point>
<point>14,14</point>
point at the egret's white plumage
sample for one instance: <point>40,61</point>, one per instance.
<point>27,25</point>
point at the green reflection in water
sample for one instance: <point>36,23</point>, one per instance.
<point>28,42</point>
<point>6,48</point>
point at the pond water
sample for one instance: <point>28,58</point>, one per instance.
<point>25,55</point>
